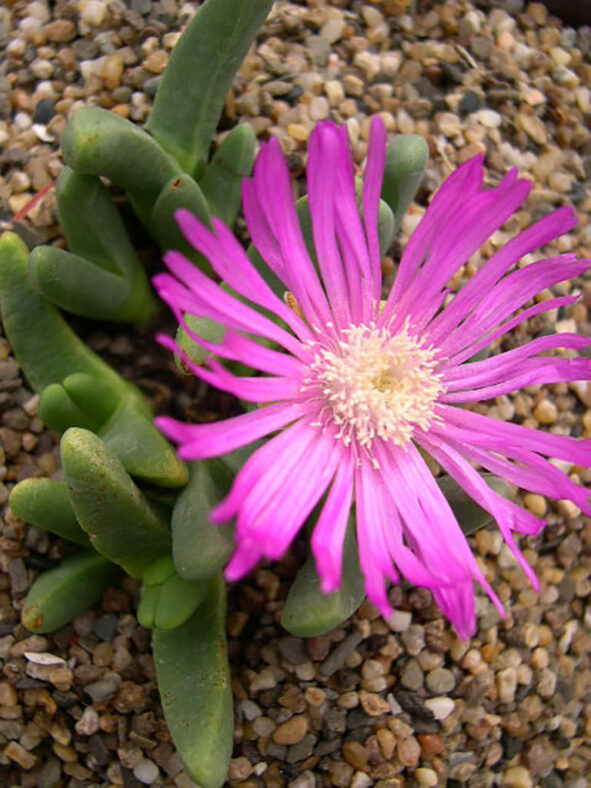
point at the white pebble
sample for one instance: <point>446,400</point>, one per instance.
<point>441,706</point>
<point>146,772</point>
<point>93,13</point>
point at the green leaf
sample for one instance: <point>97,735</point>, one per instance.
<point>406,158</point>
<point>222,181</point>
<point>469,514</point>
<point>194,682</point>
<point>307,611</point>
<point>199,548</point>
<point>191,95</point>
<point>59,595</point>
<point>100,277</point>
<point>122,524</point>
<point>180,192</point>
<point>45,346</point>
<point>83,401</point>
<point>98,142</point>
<point>45,503</point>
<point>168,600</point>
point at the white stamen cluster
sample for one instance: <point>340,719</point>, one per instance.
<point>375,385</point>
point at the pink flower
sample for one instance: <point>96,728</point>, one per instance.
<point>359,386</point>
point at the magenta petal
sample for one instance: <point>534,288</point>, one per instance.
<point>199,441</point>
<point>329,532</point>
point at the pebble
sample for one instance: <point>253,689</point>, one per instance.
<point>412,675</point>
<point>546,412</point>
<point>440,681</point>
<point>440,707</point>
<point>93,12</point>
<point>146,772</point>
<point>292,731</point>
<point>408,751</point>
<point>517,777</point>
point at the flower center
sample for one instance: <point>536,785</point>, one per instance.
<point>375,385</point>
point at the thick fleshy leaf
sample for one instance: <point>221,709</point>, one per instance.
<point>45,503</point>
<point>167,599</point>
<point>83,401</point>
<point>122,524</point>
<point>59,595</point>
<point>307,611</point>
<point>222,182</point>
<point>406,159</point>
<point>200,549</point>
<point>45,346</point>
<point>180,192</point>
<point>101,276</point>
<point>98,142</point>
<point>194,682</point>
<point>469,514</point>
<point>195,84</point>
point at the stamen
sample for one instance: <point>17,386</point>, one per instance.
<point>374,385</point>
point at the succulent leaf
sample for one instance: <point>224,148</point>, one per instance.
<point>45,503</point>
<point>194,681</point>
<point>83,401</point>
<point>200,71</point>
<point>180,192</point>
<point>45,346</point>
<point>59,595</point>
<point>406,159</point>
<point>221,184</point>
<point>122,524</point>
<point>307,611</point>
<point>99,142</point>
<point>469,514</point>
<point>168,600</point>
<point>100,277</point>
<point>199,548</point>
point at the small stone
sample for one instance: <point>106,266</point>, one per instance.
<point>469,102</point>
<point>60,32</point>
<point>146,772</point>
<point>93,12</point>
<point>319,108</point>
<point>292,731</point>
<point>399,621</point>
<point>534,127</point>
<point>298,132</point>
<point>240,769</point>
<point>507,684</point>
<point>546,412</point>
<point>263,681</point>
<point>412,675</point>
<point>373,704</point>
<point>156,62</point>
<point>448,124</point>
<point>305,780</point>
<point>536,504</point>
<point>112,71</point>
<point>408,751</point>
<point>488,118</point>
<point>88,724</point>
<point>517,776</point>
<point>8,696</point>
<point>17,753</point>
<point>44,111</point>
<point>538,12</point>
<point>440,681</point>
<point>387,742</point>
<point>104,688</point>
<point>356,755</point>
<point>440,707</point>
<point>333,30</point>
<point>426,777</point>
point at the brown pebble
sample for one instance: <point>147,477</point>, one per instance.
<point>356,755</point>
<point>17,753</point>
<point>156,62</point>
<point>292,731</point>
<point>408,751</point>
<point>373,704</point>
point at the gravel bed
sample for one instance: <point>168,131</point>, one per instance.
<point>402,703</point>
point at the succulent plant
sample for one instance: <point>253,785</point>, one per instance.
<point>113,457</point>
